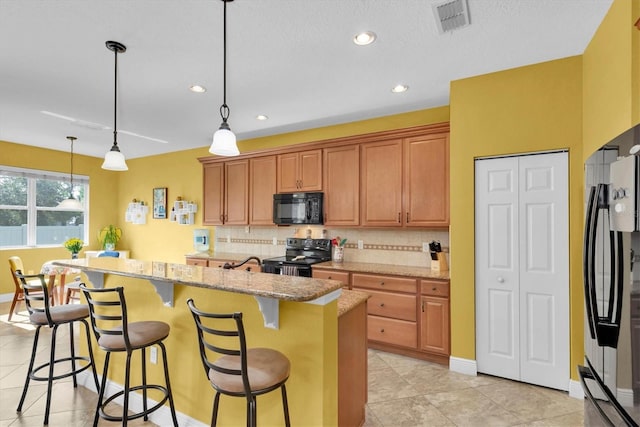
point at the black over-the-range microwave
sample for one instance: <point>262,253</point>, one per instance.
<point>298,208</point>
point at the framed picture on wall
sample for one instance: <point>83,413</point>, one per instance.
<point>160,203</point>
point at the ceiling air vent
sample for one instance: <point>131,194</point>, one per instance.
<point>451,15</point>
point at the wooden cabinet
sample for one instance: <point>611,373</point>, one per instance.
<point>236,183</point>
<point>434,317</point>
<point>381,184</point>
<point>299,171</point>
<point>226,193</point>
<point>262,187</point>
<point>405,183</point>
<point>213,194</point>
<point>392,317</point>
<point>330,274</point>
<point>201,262</point>
<point>426,181</point>
<point>352,366</point>
<point>341,183</point>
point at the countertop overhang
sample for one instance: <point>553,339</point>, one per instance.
<point>268,289</point>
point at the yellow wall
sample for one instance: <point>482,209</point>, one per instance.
<point>611,77</point>
<point>523,110</point>
<point>104,196</point>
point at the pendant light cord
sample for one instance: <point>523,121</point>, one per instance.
<point>115,100</point>
<point>71,164</point>
<point>224,108</point>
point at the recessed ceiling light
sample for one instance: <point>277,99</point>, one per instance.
<point>364,38</point>
<point>399,88</point>
<point>197,89</point>
<point>261,117</point>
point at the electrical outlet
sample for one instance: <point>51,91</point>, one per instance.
<point>153,354</point>
<point>425,247</point>
<point>360,244</point>
<point>228,239</point>
<point>275,241</point>
<point>247,229</point>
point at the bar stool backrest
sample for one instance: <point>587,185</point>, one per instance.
<point>108,312</point>
<point>221,334</point>
<point>36,294</point>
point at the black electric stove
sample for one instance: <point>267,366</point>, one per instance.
<point>299,255</point>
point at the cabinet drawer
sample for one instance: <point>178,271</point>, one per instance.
<point>433,288</point>
<point>384,283</point>
<point>202,262</point>
<point>342,276</point>
<point>392,331</point>
<point>396,306</point>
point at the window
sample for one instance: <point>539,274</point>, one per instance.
<point>29,215</point>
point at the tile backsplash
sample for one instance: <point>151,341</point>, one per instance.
<point>400,247</point>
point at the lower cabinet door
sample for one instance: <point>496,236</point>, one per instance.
<point>434,325</point>
<point>392,331</point>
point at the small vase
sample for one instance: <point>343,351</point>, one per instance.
<point>338,254</point>
<point>109,246</point>
<point>74,255</point>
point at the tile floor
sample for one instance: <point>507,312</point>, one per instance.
<point>402,392</point>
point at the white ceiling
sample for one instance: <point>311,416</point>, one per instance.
<point>292,60</point>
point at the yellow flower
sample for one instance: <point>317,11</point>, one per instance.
<point>73,245</point>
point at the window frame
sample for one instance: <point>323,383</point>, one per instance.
<point>32,176</point>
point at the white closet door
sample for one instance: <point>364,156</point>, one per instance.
<point>522,280</point>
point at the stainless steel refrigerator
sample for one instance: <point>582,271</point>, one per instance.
<point>610,375</point>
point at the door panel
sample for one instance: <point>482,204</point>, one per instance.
<point>522,279</point>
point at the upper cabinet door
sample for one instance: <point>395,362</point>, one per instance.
<point>262,187</point>
<point>237,192</point>
<point>342,185</point>
<point>300,171</point>
<point>213,194</point>
<point>426,181</point>
<point>381,184</point>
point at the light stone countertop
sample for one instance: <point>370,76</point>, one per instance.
<point>350,299</point>
<point>286,288</point>
<point>356,267</point>
<point>398,270</point>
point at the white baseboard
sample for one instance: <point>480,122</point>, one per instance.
<point>463,366</point>
<point>161,417</point>
<point>575,389</point>
<point>625,396</point>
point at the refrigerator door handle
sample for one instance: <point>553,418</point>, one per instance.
<point>588,255</point>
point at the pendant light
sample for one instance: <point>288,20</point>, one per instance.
<point>224,141</point>
<point>71,203</point>
<point>114,159</point>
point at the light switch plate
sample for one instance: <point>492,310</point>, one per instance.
<point>360,244</point>
<point>425,247</point>
<point>275,241</point>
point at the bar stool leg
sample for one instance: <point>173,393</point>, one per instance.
<point>144,383</point>
<point>127,377</point>
<point>31,362</point>
<point>214,415</point>
<point>52,359</point>
<point>285,406</point>
<point>166,376</point>
<point>103,385</point>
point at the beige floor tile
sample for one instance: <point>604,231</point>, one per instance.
<point>469,407</point>
<point>409,412</point>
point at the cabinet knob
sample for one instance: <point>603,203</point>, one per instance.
<point>500,279</point>
<point>381,304</point>
<point>381,283</point>
<point>382,330</point>
<point>434,289</point>
<point>329,277</point>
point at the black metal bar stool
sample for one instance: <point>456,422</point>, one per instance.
<point>108,311</point>
<point>36,296</point>
<point>239,372</point>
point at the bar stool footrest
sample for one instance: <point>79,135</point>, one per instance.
<point>33,376</point>
<point>136,415</point>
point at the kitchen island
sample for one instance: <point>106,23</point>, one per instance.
<point>306,332</point>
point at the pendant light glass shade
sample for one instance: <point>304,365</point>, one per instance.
<point>71,203</point>
<point>114,159</point>
<point>224,141</point>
